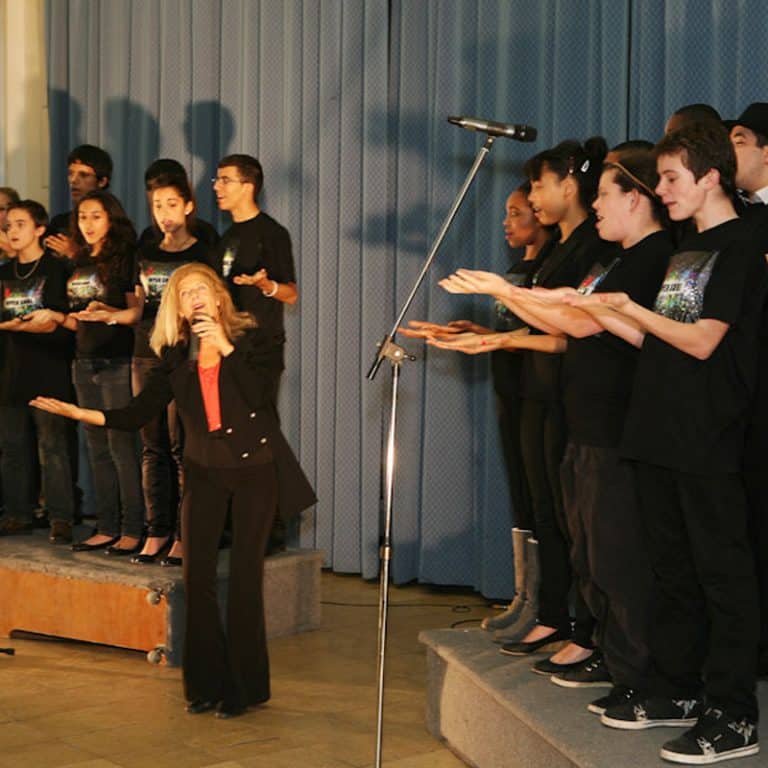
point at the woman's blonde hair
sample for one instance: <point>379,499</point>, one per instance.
<point>171,327</point>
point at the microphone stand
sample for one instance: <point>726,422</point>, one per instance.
<point>396,355</point>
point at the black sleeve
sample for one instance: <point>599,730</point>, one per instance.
<point>147,405</point>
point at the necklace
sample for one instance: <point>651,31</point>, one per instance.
<point>181,247</point>
<point>31,271</point>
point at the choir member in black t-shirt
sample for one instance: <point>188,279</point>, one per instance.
<point>685,430</point>
<point>255,256</point>
<point>255,259</point>
<point>38,355</point>
<point>173,208</point>
<point>165,168</point>
<point>563,185</point>
<point>607,541</point>
<point>105,302</point>
<point>749,136</point>
<point>521,230</point>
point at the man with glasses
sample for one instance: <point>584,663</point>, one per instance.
<point>88,168</point>
<point>254,256</point>
<point>256,261</point>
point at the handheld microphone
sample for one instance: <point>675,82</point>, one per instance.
<point>517,132</point>
<point>194,340</point>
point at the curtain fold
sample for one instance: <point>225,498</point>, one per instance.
<point>345,103</point>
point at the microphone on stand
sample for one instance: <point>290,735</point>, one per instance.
<point>517,132</point>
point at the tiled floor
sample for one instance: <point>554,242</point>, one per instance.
<point>73,704</point>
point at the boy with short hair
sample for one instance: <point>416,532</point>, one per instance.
<point>88,168</point>
<point>685,431</point>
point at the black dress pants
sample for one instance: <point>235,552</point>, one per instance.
<point>226,665</point>
<point>704,629</point>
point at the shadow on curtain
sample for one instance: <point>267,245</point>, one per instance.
<point>345,105</point>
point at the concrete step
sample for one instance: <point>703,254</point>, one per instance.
<point>493,712</point>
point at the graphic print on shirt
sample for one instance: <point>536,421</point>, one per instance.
<point>681,296</point>
<point>505,318</point>
<point>595,276</point>
<point>20,297</point>
<point>83,287</point>
<point>154,276</point>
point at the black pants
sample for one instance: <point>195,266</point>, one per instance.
<point>162,474</point>
<point>704,624</point>
<point>506,369</point>
<point>757,500</point>
<point>609,556</point>
<point>542,436</point>
<point>230,666</point>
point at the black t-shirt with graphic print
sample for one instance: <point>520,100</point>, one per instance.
<point>101,340</point>
<point>35,363</point>
<point>155,268</point>
<point>245,248</point>
<point>688,414</point>
<point>598,371</point>
<point>566,265</point>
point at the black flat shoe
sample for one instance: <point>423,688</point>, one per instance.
<point>523,649</point>
<point>84,546</point>
<point>144,559</point>
<point>225,711</point>
<point>549,667</point>
<point>170,562</point>
<point>198,706</point>
<point>122,552</point>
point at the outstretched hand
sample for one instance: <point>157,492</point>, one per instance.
<point>59,407</point>
<point>475,281</point>
<point>422,329</point>
<point>468,343</point>
<point>260,279</point>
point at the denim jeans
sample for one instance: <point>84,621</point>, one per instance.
<point>102,384</point>
<point>20,427</point>
<point>161,458</point>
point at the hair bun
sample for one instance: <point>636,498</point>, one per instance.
<point>596,148</point>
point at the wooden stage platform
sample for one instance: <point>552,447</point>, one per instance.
<point>90,596</point>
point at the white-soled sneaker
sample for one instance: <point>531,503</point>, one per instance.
<point>714,738</point>
<point>620,694</point>
<point>652,712</point>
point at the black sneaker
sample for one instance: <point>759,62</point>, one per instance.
<point>620,694</point>
<point>591,673</point>
<point>714,738</point>
<point>652,712</point>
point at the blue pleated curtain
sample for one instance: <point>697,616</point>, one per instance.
<point>344,102</point>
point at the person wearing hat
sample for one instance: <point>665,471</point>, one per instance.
<point>749,136</point>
